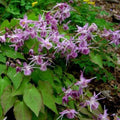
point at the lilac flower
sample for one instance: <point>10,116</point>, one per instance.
<point>13,65</point>
<point>24,22</point>
<point>31,51</point>
<point>83,83</point>
<point>82,29</point>
<point>46,43</point>
<point>7,63</point>
<point>71,1</point>
<point>32,32</point>
<point>27,69</point>
<point>70,113</point>
<point>44,66</point>
<point>64,11</point>
<point>75,94</point>
<point>93,102</point>
<point>65,26</point>
<point>2,38</point>
<point>38,59</point>
<point>67,94</point>
<point>103,116</point>
<point>56,37</point>
<point>65,100</point>
<point>18,62</point>
<point>18,69</point>
<point>93,27</point>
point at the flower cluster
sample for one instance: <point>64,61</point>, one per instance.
<point>92,102</point>
<point>112,36</point>
<point>46,33</point>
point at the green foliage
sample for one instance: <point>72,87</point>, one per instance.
<point>21,111</point>
<point>85,13</point>
<point>2,58</point>
<point>47,94</point>
<point>97,59</point>
<point>2,68</point>
<point>16,78</point>
<point>14,8</point>
<point>39,96</point>
<point>7,100</point>
<point>33,99</point>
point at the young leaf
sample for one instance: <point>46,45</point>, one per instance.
<point>0,111</point>
<point>97,59</point>
<point>2,68</point>
<point>7,100</point>
<point>16,78</point>
<point>13,54</point>
<point>2,58</point>
<point>21,111</point>
<point>3,84</point>
<point>33,99</point>
<point>24,85</point>
<point>48,98</point>
<point>14,22</point>
<point>42,75</point>
<point>4,24</point>
<point>58,71</point>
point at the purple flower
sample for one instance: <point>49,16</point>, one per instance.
<point>83,83</point>
<point>82,29</point>
<point>27,69</point>
<point>2,38</point>
<point>24,22</point>
<point>67,94</point>
<point>93,27</point>
<point>38,59</point>
<point>103,116</point>
<point>18,69</point>
<point>93,102</point>
<point>83,47</point>
<point>31,52</point>
<point>75,94</point>
<point>65,100</point>
<point>70,113</point>
<point>44,66</point>
<point>65,26</point>
<point>71,1</point>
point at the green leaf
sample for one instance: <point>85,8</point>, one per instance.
<point>32,43</point>
<point>3,2</point>
<point>16,78</point>
<point>2,68</point>
<point>85,111</point>
<point>7,100</point>
<point>2,58</point>
<point>32,16</point>
<point>13,54</point>
<point>3,84</point>
<point>1,111</point>
<point>48,98</point>
<point>24,85</point>
<point>33,99</point>
<point>14,22</point>
<point>97,59</point>
<point>21,111</point>
<point>58,71</point>
<point>42,75</point>
<point>5,24</point>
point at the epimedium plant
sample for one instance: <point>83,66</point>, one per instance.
<point>34,60</point>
